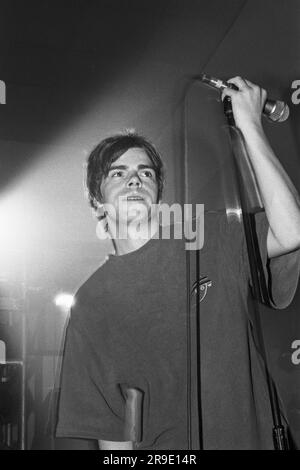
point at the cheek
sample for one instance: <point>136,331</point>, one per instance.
<point>111,194</point>
<point>108,190</point>
<point>154,188</point>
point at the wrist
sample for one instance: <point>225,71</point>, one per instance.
<point>251,127</point>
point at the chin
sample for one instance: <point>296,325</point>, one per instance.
<point>134,218</point>
<point>138,211</point>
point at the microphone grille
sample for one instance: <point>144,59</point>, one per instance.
<point>278,111</point>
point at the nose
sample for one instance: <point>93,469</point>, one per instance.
<point>134,181</point>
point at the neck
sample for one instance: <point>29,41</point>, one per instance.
<point>134,237</point>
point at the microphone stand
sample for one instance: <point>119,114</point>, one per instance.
<point>258,283</point>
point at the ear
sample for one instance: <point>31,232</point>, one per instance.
<point>102,229</point>
<point>100,213</point>
<point>102,225</point>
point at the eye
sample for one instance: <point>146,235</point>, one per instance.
<point>117,174</point>
<point>148,173</point>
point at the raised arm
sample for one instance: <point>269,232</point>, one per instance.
<point>280,198</point>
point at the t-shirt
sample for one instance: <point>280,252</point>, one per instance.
<point>235,400</point>
<point>129,328</point>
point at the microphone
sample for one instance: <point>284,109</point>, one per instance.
<point>275,111</point>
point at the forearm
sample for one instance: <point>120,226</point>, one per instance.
<point>280,198</point>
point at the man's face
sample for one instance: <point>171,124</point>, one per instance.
<point>130,187</point>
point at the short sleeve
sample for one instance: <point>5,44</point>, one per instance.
<point>90,405</point>
<point>281,274</point>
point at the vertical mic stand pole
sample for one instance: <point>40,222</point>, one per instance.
<point>279,434</point>
<point>198,330</point>
<point>23,411</point>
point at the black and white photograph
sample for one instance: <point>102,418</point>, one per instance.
<point>149,227</point>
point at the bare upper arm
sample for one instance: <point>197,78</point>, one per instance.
<point>274,248</point>
<point>115,445</point>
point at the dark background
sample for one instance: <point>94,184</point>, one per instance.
<point>76,71</point>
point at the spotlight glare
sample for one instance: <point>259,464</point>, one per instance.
<point>64,300</point>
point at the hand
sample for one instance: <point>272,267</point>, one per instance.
<point>247,102</point>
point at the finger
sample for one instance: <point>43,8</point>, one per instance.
<point>228,92</point>
<point>250,84</point>
<point>239,82</point>
<point>264,94</point>
<point>262,91</point>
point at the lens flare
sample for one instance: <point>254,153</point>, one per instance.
<point>64,300</point>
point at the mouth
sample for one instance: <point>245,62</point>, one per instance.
<point>135,198</point>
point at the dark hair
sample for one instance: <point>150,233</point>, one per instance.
<point>108,151</point>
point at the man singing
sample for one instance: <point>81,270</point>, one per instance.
<point>128,328</point>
